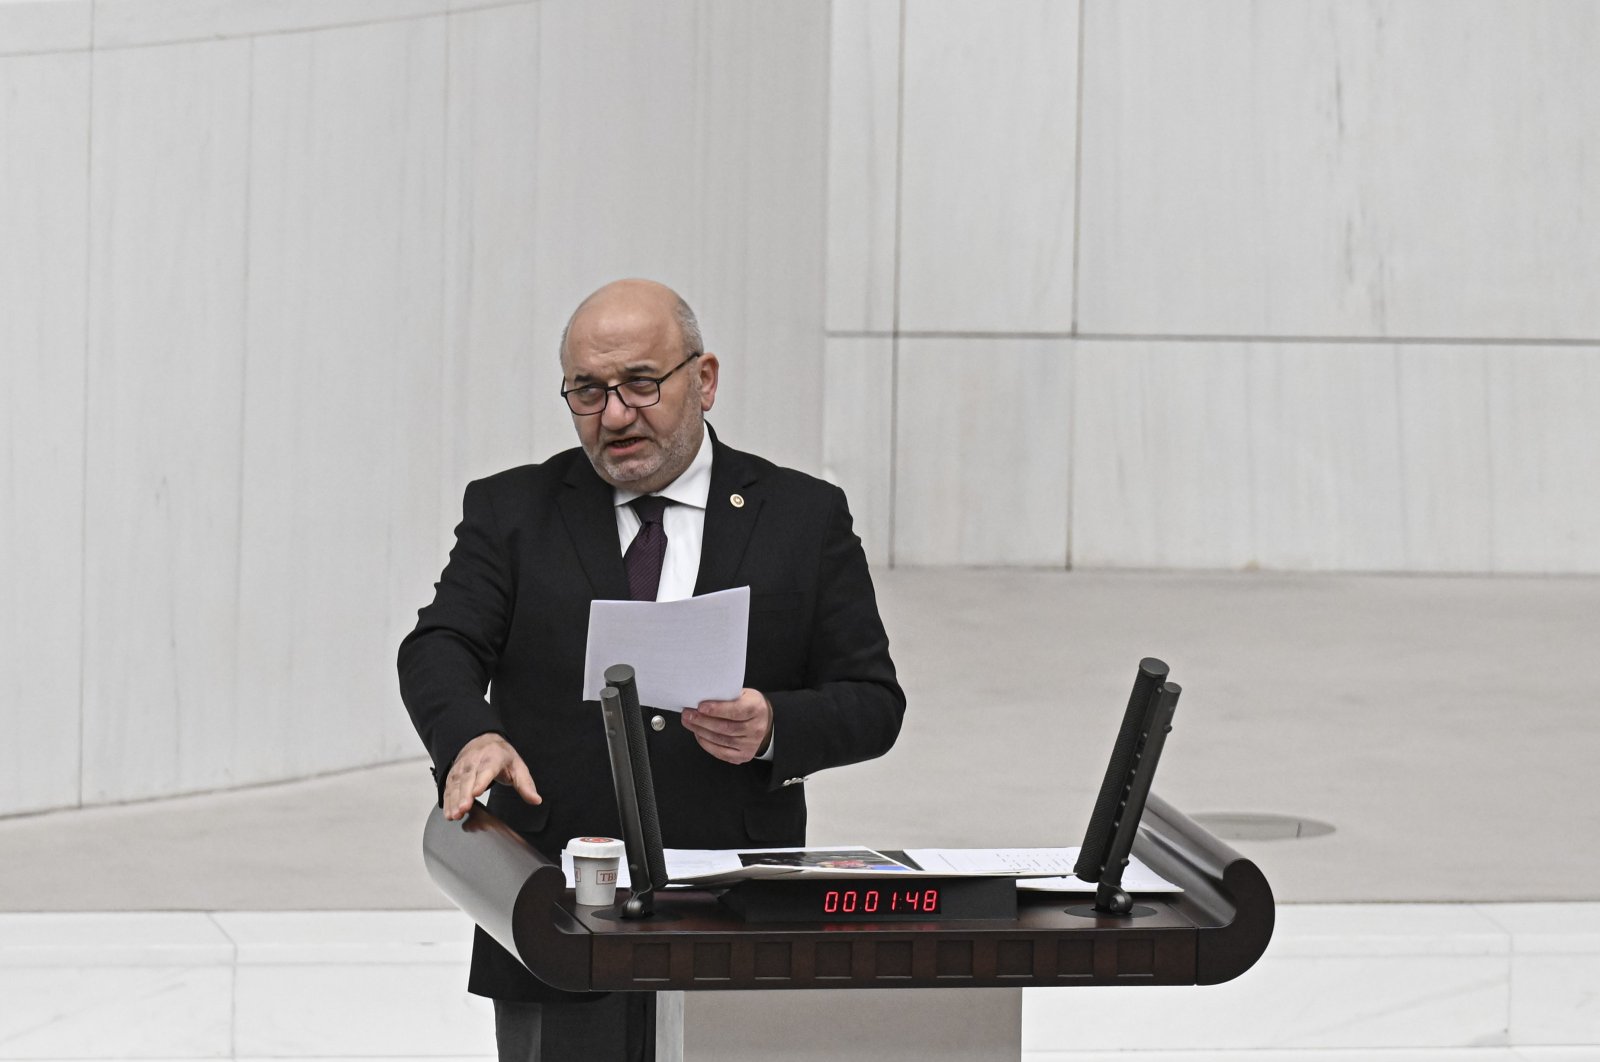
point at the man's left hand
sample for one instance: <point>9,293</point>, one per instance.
<point>734,731</point>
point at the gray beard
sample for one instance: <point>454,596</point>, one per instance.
<point>677,453</point>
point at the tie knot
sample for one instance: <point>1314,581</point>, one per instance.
<point>650,507</point>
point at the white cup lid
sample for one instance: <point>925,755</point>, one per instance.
<point>595,847</point>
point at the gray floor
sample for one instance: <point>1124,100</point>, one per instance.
<point>1442,725</point>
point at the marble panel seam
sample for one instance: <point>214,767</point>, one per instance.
<point>233,966</point>
<point>444,11</point>
<point>43,52</point>
<point>899,222</point>
<point>1267,340</point>
<point>1272,339</point>
<point>246,322</point>
<point>83,442</point>
<point>1077,215</point>
<point>896,282</point>
<point>467,7</point>
<point>893,485</point>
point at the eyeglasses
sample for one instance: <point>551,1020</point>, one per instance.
<point>637,392</point>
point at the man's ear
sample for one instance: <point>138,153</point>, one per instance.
<point>707,366</point>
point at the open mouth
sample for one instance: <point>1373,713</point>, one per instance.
<point>624,447</point>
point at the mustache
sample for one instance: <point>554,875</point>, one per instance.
<point>605,437</point>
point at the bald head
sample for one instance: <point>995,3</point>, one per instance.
<point>636,302</point>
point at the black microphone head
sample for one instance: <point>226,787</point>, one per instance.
<point>621,676</point>
<point>1150,666</point>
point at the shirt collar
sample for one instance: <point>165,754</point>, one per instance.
<point>692,487</point>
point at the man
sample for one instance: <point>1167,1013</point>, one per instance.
<point>537,544</point>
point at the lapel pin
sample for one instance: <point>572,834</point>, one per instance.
<point>737,500</point>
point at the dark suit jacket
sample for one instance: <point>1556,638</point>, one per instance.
<point>510,614</point>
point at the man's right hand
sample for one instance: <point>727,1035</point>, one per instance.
<point>485,759</point>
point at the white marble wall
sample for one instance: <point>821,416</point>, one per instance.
<point>341,412</point>
<point>1326,455</point>
<point>982,432</point>
<point>1318,276</point>
<point>281,277</point>
<point>167,265</point>
<point>494,378</point>
<point>863,165</point>
<point>1340,168</point>
<point>692,147</point>
<point>988,132</point>
<point>44,108</point>
<point>1138,283</point>
<point>858,441</point>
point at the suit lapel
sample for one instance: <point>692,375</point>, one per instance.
<point>586,507</point>
<point>728,524</point>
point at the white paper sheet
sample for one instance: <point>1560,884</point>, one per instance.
<point>681,652</point>
<point>1030,863</point>
<point>1136,878</point>
<point>723,866</point>
<point>962,861</point>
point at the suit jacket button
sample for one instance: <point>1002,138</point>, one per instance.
<point>658,723</point>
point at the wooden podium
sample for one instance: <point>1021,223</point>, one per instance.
<point>737,974</point>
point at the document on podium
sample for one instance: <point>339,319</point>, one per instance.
<point>681,652</point>
<point>726,866</point>
<point>1041,869</point>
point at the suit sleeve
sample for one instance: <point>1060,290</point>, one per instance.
<point>851,706</point>
<point>447,661</point>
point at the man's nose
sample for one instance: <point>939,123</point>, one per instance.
<point>616,413</point>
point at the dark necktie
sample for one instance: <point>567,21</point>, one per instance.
<point>647,550</point>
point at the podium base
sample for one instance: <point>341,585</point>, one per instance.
<point>885,1025</point>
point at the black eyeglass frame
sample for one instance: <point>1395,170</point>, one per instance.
<point>616,389</point>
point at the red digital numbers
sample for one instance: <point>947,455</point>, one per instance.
<point>870,901</point>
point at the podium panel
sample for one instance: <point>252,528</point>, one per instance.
<point>817,1025</point>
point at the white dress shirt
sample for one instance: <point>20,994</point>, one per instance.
<point>684,521</point>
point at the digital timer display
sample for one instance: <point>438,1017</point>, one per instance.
<point>876,899</point>
<point>872,900</point>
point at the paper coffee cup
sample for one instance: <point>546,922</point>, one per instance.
<point>594,869</point>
